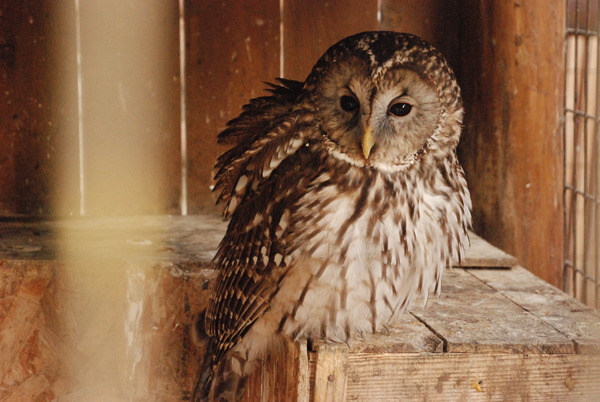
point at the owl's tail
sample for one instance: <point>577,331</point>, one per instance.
<point>224,381</point>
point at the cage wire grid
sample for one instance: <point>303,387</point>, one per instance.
<point>581,271</point>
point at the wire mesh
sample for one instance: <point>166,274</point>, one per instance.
<point>582,153</point>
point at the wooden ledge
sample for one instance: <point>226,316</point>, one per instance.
<point>491,334</point>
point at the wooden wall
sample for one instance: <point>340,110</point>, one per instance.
<point>508,57</point>
<point>512,71</point>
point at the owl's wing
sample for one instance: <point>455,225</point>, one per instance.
<point>259,179</point>
<point>262,135</point>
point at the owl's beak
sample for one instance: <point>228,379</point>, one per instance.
<point>367,142</point>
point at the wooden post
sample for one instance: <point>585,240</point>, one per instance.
<point>330,375</point>
<point>512,74</point>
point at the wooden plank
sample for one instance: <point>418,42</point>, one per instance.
<point>303,394</point>
<point>405,335</point>
<point>433,20</point>
<point>478,315</point>
<point>28,132</point>
<point>473,318</point>
<point>473,377</point>
<point>330,373</point>
<point>232,48</point>
<point>309,30</point>
<point>192,239</point>
<point>512,62</point>
<point>481,254</point>
<point>279,375</point>
<point>569,316</point>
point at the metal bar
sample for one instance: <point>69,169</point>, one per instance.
<point>581,268</point>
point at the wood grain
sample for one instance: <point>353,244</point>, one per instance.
<point>330,373</point>
<point>479,254</point>
<point>472,377</point>
<point>22,308</point>
<point>474,318</point>
<point>579,322</point>
<point>278,377</point>
<point>310,29</point>
<point>490,328</point>
<point>232,47</point>
<point>406,334</point>
<point>433,20</point>
<point>512,74</point>
<point>28,134</point>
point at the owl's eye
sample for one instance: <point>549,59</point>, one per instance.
<point>400,109</point>
<point>349,103</point>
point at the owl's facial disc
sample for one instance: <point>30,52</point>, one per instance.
<point>376,120</point>
<point>404,113</point>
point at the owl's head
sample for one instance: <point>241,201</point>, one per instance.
<point>384,99</point>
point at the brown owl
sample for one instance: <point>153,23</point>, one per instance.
<point>346,201</point>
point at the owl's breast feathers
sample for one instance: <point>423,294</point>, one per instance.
<point>310,230</point>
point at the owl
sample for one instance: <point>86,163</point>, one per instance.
<point>346,201</point>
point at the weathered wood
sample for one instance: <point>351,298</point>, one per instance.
<point>21,309</point>
<point>481,254</point>
<point>473,377</point>
<point>232,48</point>
<point>474,318</point>
<point>330,373</point>
<point>304,373</point>
<point>512,63</point>
<point>174,239</point>
<point>192,238</point>
<point>28,134</point>
<point>579,322</point>
<point>309,30</point>
<point>278,376</point>
<point>405,335</point>
<point>489,325</point>
<point>433,20</point>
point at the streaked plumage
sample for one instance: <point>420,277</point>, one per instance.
<point>346,201</point>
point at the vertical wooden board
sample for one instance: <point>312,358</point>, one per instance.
<point>310,28</point>
<point>231,48</point>
<point>433,20</point>
<point>278,376</point>
<point>330,376</point>
<point>130,102</point>
<point>512,74</point>
<point>27,134</point>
